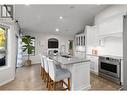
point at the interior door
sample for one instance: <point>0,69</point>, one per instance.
<point>70,46</point>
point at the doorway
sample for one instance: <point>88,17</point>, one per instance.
<point>70,43</point>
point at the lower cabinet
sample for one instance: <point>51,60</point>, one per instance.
<point>93,63</point>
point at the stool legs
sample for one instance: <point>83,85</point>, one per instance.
<point>42,71</point>
<point>69,84</point>
<point>45,74</point>
<point>47,84</point>
<point>52,84</point>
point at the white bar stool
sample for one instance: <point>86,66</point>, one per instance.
<point>42,66</point>
<point>57,75</point>
<point>46,67</point>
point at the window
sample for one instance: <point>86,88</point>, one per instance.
<point>3,46</point>
<point>7,11</point>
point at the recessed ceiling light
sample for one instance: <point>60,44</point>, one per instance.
<point>57,30</point>
<point>60,17</point>
<point>72,7</point>
<point>27,4</point>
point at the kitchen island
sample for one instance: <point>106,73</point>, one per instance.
<point>80,71</point>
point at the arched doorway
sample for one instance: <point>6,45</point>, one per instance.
<point>53,43</point>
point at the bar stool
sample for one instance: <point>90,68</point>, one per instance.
<point>46,67</point>
<point>57,75</point>
<point>42,66</point>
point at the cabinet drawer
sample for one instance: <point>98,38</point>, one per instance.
<point>92,65</point>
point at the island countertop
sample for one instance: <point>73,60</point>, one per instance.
<point>69,61</point>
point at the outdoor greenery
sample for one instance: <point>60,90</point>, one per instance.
<point>70,45</point>
<point>2,38</point>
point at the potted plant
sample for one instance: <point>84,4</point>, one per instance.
<point>28,47</point>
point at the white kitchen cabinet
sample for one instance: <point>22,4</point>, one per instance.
<point>91,43</point>
<point>92,40</point>
<point>80,39</point>
<point>91,36</point>
<point>110,26</point>
<point>80,54</point>
<point>93,63</point>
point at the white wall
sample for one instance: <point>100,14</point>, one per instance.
<point>109,12</point>
<point>41,44</point>
<point>7,73</point>
<point>112,45</point>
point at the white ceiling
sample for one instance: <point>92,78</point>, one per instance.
<point>45,18</point>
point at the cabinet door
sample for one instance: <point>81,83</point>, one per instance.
<point>84,40</point>
<point>91,36</point>
<point>76,54</point>
<point>94,59</point>
<point>92,66</point>
<point>111,25</point>
<point>77,41</point>
<point>83,55</point>
<point>96,65</point>
<point>81,40</point>
<point>93,63</point>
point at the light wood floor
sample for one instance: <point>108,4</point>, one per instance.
<point>28,78</point>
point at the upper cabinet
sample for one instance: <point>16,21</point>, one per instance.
<point>91,35</point>
<point>112,26</point>
<point>80,39</point>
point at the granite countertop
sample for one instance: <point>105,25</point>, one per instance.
<point>112,56</point>
<point>68,61</point>
<point>93,55</point>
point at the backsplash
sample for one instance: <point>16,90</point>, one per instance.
<point>112,46</point>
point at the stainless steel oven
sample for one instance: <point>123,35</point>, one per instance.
<point>110,68</point>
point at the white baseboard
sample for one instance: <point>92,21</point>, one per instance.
<point>36,63</point>
<point>6,81</point>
